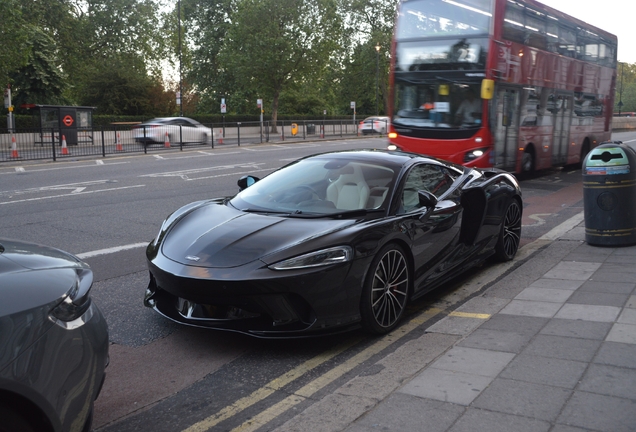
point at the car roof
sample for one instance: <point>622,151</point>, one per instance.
<point>167,119</point>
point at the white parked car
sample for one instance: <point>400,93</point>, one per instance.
<point>373,125</point>
<point>179,129</point>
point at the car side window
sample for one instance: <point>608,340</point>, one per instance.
<point>432,178</point>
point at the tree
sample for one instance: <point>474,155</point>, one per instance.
<point>41,80</point>
<point>369,23</point>
<point>119,88</point>
<point>13,39</point>
<point>110,33</point>
<point>274,43</point>
<point>625,88</point>
<point>206,23</point>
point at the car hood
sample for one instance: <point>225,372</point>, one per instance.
<point>219,236</point>
<point>33,276</point>
<point>36,257</point>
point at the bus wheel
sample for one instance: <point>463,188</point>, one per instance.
<point>584,151</point>
<point>527,161</point>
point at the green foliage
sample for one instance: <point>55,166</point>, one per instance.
<point>625,88</point>
<point>41,80</point>
<point>13,39</point>
<point>273,44</point>
<point>119,88</point>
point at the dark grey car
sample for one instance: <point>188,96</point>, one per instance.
<point>53,340</point>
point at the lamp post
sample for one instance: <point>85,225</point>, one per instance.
<point>620,97</point>
<point>377,76</point>
<point>180,85</point>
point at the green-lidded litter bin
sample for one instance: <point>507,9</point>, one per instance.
<point>609,195</point>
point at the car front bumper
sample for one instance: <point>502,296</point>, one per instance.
<point>256,300</point>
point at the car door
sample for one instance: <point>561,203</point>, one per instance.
<point>433,230</point>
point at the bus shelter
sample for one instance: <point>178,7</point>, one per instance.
<point>72,123</point>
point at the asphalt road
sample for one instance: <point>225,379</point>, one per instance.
<point>163,377</point>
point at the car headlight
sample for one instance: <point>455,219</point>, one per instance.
<point>76,301</point>
<point>335,255</point>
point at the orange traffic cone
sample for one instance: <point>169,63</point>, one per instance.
<point>14,148</point>
<point>64,148</point>
<point>167,144</point>
<point>220,136</point>
<point>118,146</point>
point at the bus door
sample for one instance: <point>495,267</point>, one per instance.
<point>506,128</point>
<point>562,119</point>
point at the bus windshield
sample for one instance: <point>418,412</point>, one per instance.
<point>444,18</point>
<point>437,105</point>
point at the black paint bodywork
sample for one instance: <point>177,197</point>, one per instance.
<point>231,286</point>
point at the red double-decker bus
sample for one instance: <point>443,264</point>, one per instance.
<point>512,84</point>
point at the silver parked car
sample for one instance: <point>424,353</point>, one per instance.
<point>53,340</point>
<point>176,129</point>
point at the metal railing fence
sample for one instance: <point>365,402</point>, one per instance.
<point>38,144</point>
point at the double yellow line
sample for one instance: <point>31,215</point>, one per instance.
<point>319,383</point>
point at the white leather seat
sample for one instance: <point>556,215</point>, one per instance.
<point>349,191</point>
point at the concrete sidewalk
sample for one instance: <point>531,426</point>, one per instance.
<point>549,347</point>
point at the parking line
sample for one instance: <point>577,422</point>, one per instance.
<point>269,388</point>
<point>470,315</point>
<point>321,382</point>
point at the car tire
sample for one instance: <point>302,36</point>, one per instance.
<point>510,233</point>
<point>12,421</point>
<point>386,290</point>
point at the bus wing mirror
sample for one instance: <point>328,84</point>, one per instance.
<point>487,89</point>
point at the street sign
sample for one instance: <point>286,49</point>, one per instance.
<point>67,120</point>
<point>353,105</point>
<point>223,108</point>
<point>259,103</point>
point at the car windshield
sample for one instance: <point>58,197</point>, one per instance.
<point>320,186</point>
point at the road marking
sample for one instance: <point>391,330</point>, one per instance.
<point>566,226</point>
<point>185,173</point>
<point>111,250</point>
<point>270,388</point>
<point>76,191</point>
<point>469,315</point>
<point>537,217</point>
<point>321,382</point>
<point>92,165</point>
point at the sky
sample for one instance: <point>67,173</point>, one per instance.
<point>614,16</point>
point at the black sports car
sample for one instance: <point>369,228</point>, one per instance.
<point>330,242</point>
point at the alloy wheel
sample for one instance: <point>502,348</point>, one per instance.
<point>389,289</point>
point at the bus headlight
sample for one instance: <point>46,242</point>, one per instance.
<point>474,154</point>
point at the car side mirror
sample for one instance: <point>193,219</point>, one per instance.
<point>426,198</point>
<point>246,181</point>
